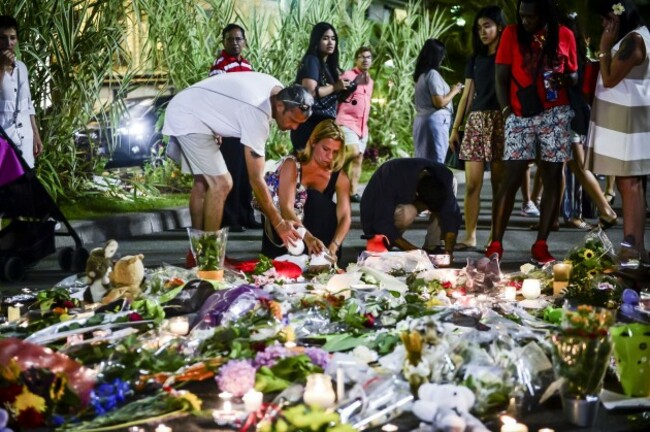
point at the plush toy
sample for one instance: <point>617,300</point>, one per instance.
<point>446,407</point>
<point>126,278</point>
<point>98,269</point>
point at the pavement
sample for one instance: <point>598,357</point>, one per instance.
<point>162,238</point>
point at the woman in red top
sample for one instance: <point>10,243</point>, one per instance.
<point>535,62</point>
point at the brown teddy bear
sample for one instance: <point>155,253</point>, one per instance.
<point>98,269</point>
<point>126,278</point>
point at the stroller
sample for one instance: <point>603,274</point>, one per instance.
<point>32,217</point>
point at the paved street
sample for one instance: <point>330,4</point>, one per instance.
<point>170,246</point>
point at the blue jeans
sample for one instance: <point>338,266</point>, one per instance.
<point>431,135</point>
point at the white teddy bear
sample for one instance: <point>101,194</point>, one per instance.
<point>446,407</point>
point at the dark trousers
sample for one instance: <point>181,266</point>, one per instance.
<point>237,209</point>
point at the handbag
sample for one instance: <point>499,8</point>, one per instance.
<point>452,159</point>
<point>582,111</point>
<point>529,100</point>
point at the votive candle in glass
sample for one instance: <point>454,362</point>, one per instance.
<point>531,289</point>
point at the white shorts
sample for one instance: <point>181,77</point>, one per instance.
<point>199,154</point>
<point>351,138</point>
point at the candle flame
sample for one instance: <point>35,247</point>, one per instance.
<point>508,420</point>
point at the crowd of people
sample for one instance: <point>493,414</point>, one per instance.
<point>522,102</point>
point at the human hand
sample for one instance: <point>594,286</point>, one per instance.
<point>218,140</point>
<point>454,139</point>
<point>7,59</point>
<point>341,85</point>
<point>38,145</point>
<point>314,245</point>
<point>610,33</point>
<point>457,88</point>
<point>287,232</point>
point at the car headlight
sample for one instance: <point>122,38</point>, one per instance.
<point>136,130</point>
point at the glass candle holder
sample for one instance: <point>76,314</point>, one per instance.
<point>531,289</point>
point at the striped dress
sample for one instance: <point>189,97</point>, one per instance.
<point>619,133</point>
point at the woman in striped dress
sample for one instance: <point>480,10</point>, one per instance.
<point>619,134</point>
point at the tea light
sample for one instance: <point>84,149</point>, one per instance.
<point>511,425</point>
<point>546,430</point>
<point>252,400</point>
<point>13,312</point>
<point>319,391</point>
<point>389,427</point>
<point>289,345</point>
<point>531,288</point>
<point>510,293</point>
<point>179,325</point>
<point>163,428</point>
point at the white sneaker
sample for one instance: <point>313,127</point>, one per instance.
<point>529,209</point>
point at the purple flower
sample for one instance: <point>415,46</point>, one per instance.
<point>271,355</point>
<point>318,356</point>
<point>236,377</point>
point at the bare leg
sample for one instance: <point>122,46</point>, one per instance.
<point>632,196</point>
<point>525,186</point>
<point>197,197</point>
<point>514,172</point>
<point>551,175</point>
<point>354,169</point>
<point>496,178</point>
<point>215,197</point>
<point>609,188</point>
<point>538,186</point>
<point>474,183</point>
<point>589,183</point>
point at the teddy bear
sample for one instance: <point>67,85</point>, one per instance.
<point>98,269</point>
<point>126,278</point>
<point>446,407</point>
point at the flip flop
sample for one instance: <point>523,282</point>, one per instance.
<point>462,247</point>
<point>605,224</point>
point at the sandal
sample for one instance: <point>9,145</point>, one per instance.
<point>605,224</point>
<point>462,247</point>
<point>610,198</point>
<point>578,224</point>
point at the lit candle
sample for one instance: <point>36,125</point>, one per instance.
<point>562,272</point>
<point>531,289</point>
<point>163,428</point>
<point>389,427</point>
<point>13,313</point>
<point>319,391</point>
<point>561,276</point>
<point>227,407</point>
<point>179,325</point>
<point>510,293</point>
<point>252,400</point>
<point>289,345</point>
<point>340,384</point>
<point>511,425</point>
<point>546,430</point>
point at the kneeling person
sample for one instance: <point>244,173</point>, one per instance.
<point>402,188</point>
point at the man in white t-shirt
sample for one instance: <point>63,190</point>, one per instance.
<point>231,105</point>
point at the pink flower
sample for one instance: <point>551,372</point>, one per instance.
<point>236,377</point>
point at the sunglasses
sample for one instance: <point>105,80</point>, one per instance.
<point>303,106</point>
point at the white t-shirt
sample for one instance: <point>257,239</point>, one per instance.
<point>233,105</point>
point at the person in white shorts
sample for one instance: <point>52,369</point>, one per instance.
<point>231,105</point>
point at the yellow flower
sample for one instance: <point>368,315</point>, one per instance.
<point>192,399</point>
<point>588,254</point>
<point>57,389</point>
<point>11,372</point>
<point>27,400</point>
<point>592,272</point>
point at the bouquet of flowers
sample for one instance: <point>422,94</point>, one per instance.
<point>591,260</point>
<point>209,249</point>
<point>581,351</point>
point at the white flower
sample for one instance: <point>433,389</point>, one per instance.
<point>618,9</point>
<point>365,354</point>
<point>527,268</point>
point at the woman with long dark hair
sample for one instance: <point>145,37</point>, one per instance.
<point>483,137</point>
<point>535,62</point>
<point>619,137</point>
<point>433,103</point>
<point>319,73</point>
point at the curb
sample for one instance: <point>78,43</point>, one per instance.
<point>125,226</point>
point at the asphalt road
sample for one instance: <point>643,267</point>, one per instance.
<point>170,244</point>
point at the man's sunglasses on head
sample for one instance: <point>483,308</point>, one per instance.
<point>303,106</point>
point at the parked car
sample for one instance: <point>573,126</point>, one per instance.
<point>127,132</point>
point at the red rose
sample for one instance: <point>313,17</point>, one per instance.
<point>370,320</point>
<point>134,316</point>
<point>446,285</point>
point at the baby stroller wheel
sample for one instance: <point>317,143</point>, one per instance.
<point>79,258</point>
<point>65,258</point>
<point>13,269</point>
